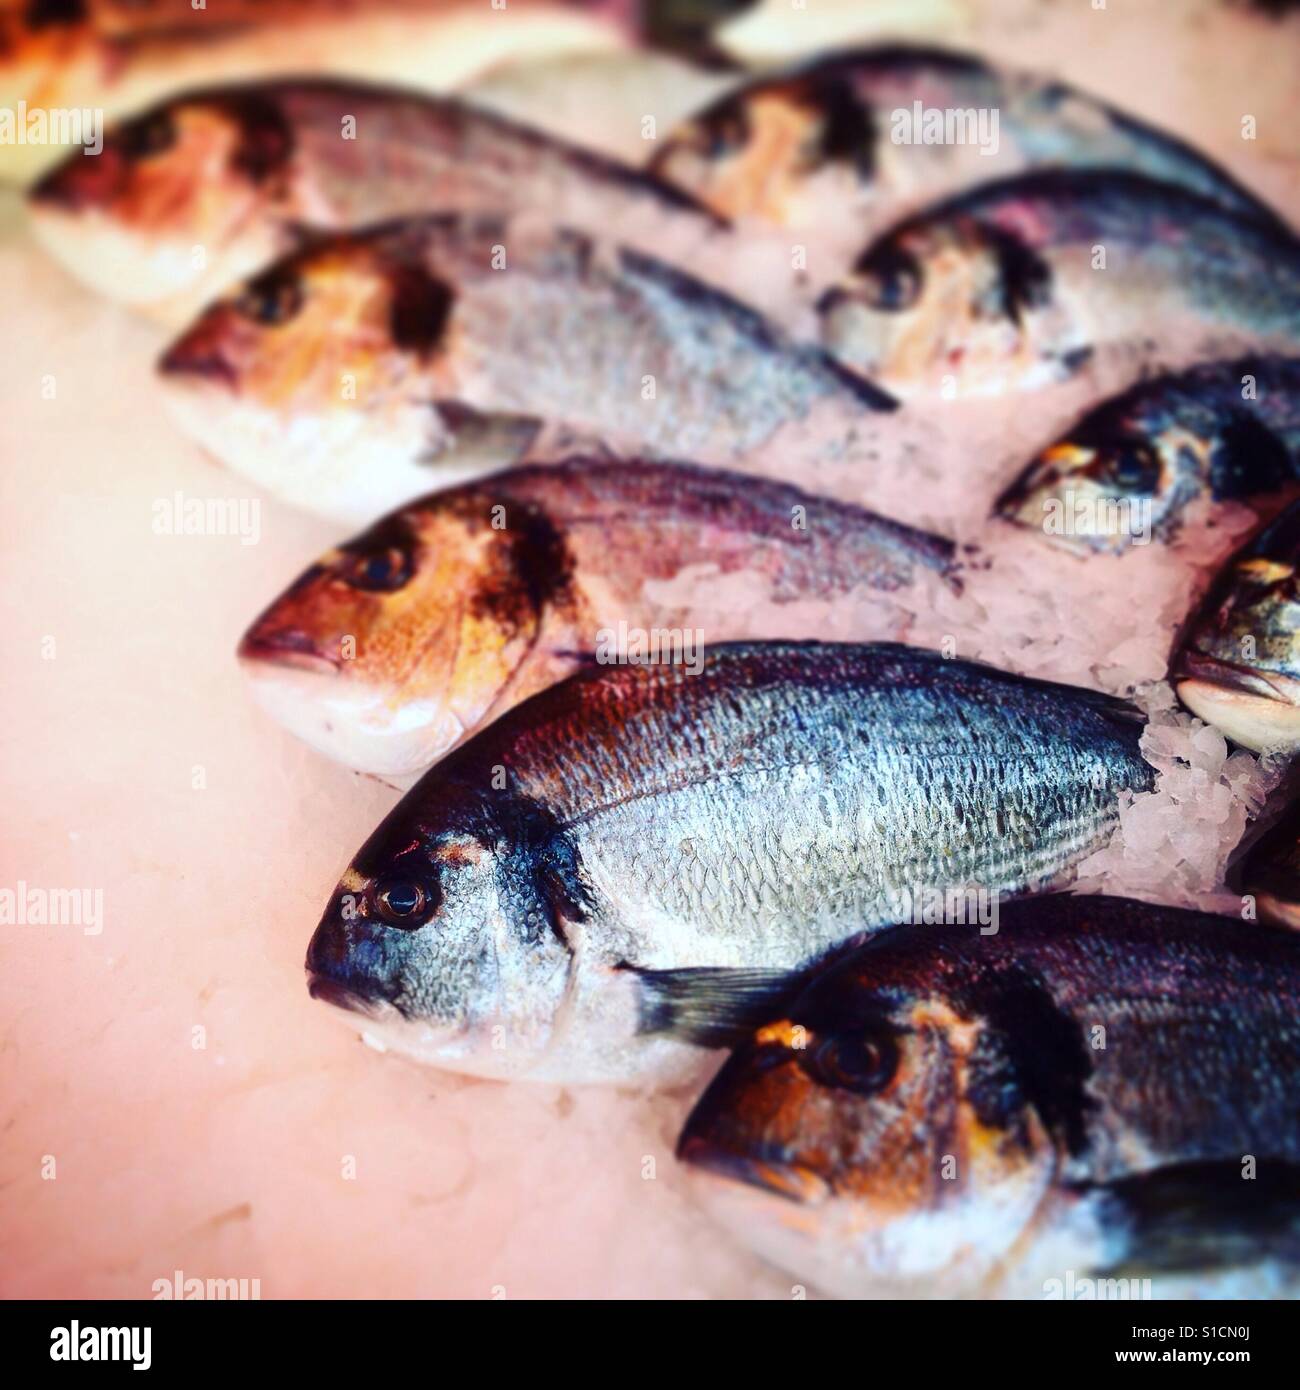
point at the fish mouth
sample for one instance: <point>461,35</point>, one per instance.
<point>1193,665</point>
<point>289,647</point>
<point>73,187</point>
<point>190,356</point>
<point>784,1179</point>
<point>341,996</point>
<point>1254,710</point>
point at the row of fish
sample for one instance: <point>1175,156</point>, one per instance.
<point>614,859</point>
<point>637,862</point>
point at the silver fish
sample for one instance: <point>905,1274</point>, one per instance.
<point>366,369</point>
<point>866,134</point>
<point>1017,283</point>
<point>1101,1090</point>
<point>1129,469</point>
<point>638,854</point>
<point>401,642</point>
<point>201,190</point>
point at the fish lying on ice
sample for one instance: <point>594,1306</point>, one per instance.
<point>837,147</point>
<point>1017,283</point>
<point>362,371</point>
<point>1100,1089</point>
<point>1236,663</point>
<point>202,190</point>
<point>397,644</point>
<point>1127,471</point>
<point>118,58</point>
<point>620,863</point>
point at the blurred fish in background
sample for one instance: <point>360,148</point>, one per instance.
<point>1223,430</point>
<point>121,55</point>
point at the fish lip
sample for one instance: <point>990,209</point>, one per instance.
<point>791,1181</point>
<point>183,359</point>
<point>331,991</point>
<point>59,190</point>
<point>286,647</point>
<point>1194,665</point>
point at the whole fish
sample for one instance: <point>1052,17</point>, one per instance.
<point>630,861</point>
<point>1131,466</point>
<point>1100,1089</point>
<point>356,374</point>
<point>1236,663</point>
<point>1017,283</point>
<point>842,144</point>
<point>396,645</point>
<point>202,190</point>
<point>115,59</point>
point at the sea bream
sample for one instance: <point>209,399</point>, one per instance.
<point>630,862</point>
<point>1102,1089</point>
<point>837,147</point>
<point>1018,283</point>
<point>1130,467</point>
<point>1236,662</point>
<point>118,57</point>
<point>397,644</point>
<point>202,190</point>
<point>370,367</point>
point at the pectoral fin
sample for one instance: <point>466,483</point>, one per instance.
<point>1202,1216</point>
<point>712,1006</point>
<point>497,439</point>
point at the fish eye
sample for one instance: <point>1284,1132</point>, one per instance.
<point>378,571</point>
<point>1132,467</point>
<point>889,278</point>
<point>405,902</point>
<point>271,299</point>
<point>148,136</point>
<point>725,130</point>
<point>861,1062</point>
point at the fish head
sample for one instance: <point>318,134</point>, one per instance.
<point>188,193</point>
<point>386,650</point>
<point>444,939</point>
<point>317,374</point>
<point>950,306</point>
<point>1237,664</point>
<point>1112,482</point>
<point>872,1136</point>
<point>754,153</point>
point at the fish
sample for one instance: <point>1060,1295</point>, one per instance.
<point>1102,1089</point>
<point>840,146</point>
<point>627,867</point>
<point>201,191</point>
<point>1019,283</point>
<point>1236,661</point>
<point>396,645</point>
<point>1130,467</point>
<point>120,58</point>
<point>369,367</point>
<point>1270,871</point>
